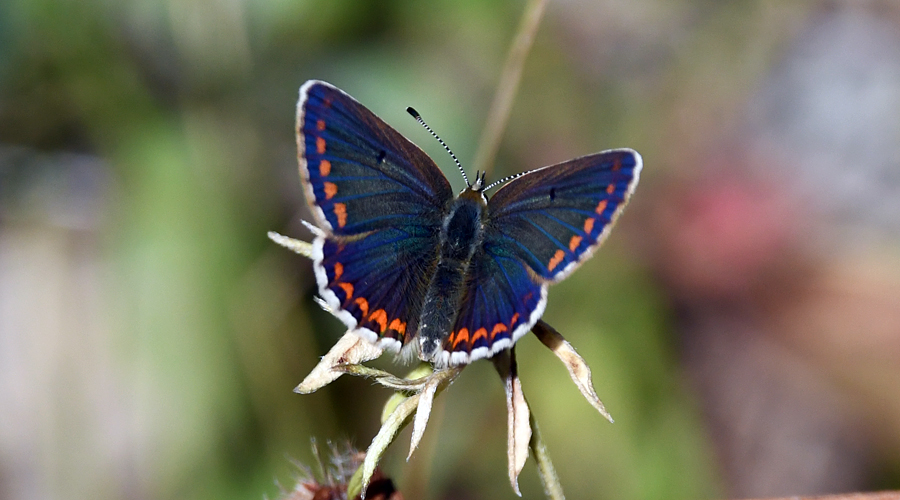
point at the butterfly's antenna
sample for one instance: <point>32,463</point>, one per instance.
<point>415,114</point>
<point>507,179</point>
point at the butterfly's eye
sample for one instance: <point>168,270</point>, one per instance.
<point>380,157</point>
<point>552,194</point>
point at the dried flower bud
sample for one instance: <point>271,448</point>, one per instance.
<point>349,350</point>
<point>578,369</point>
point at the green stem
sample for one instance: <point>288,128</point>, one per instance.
<point>549,479</point>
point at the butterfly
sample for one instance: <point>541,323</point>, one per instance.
<point>404,263</point>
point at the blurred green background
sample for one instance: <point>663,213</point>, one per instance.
<point>742,322</point>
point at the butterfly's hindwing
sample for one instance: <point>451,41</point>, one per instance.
<point>554,217</point>
<point>376,284</point>
<point>500,304</point>
<point>360,174</point>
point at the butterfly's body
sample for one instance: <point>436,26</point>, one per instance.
<point>461,233</point>
<point>402,262</point>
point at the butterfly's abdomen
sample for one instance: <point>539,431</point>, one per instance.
<point>461,234</point>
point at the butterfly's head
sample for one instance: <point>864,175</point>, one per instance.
<point>475,191</point>
<point>479,182</point>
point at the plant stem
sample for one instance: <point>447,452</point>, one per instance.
<point>498,115</point>
<point>549,479</point>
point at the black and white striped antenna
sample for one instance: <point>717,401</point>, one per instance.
<point>506,179</point>
<point>415,114</point>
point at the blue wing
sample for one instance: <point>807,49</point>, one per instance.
<point>378,201</point>
<point>553,218</point>
<point>359,174</point>
<point>540,227</point>
<point>376,284</point>
<point>501,303</point>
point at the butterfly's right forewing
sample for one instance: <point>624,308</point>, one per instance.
<point>540,227</point>
<point>555,217</point>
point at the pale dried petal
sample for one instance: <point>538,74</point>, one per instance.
<point>350,350</point>
<point>578,369</point>
<point>301,247</point>
<point>396,415</point>
<point>426,398</point>
<point>518,422</point>
<point>385,437</point>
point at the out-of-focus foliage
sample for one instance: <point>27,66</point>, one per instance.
<point>741,322</point>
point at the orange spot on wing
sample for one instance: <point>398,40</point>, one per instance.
<point>330,190</point>
<point>324,168</point>
<point>499,328</point>
<point>320,145</point>
<point>556,259</point>
<point>338,270</point>
<point>617,164</point>
<point>601,207</point>
<point>363,306</point>
<point>461,336</point>
<point>398,326</point>
<point>574,242</point>
<point>340,210</point>
<point>379,317</point>
<point>588,226</point>
<point>610,189</point>
<point>347,288</point>
<point>514,319</point>
<point>320,125</point>
<point>479,333</point>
